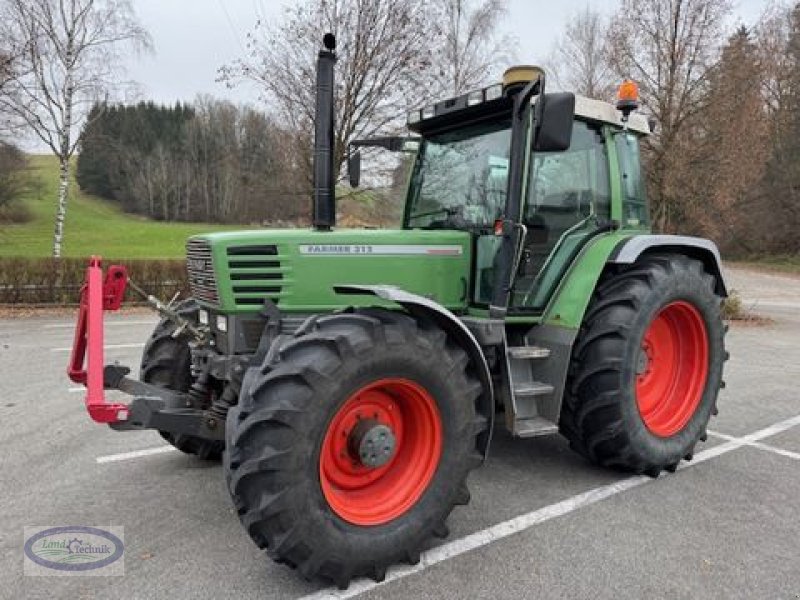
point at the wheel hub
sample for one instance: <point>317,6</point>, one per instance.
<point>372,443</point>
<point>380,451</point>
<point>671,368</point>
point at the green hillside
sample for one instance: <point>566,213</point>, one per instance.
<point>93,226</point>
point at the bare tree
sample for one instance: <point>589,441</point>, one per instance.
<point>669,48</point>
<point>772,34</point>
<point>780,190</point>
<point>471,46</point>
<point>72,52</point>
<point>381,43</point>
<point>393,55</point>
<point>579,61</point>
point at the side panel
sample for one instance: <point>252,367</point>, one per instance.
<point>568,304</point>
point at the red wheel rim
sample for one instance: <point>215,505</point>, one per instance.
<point>672,368</point>
<point>373,496</point>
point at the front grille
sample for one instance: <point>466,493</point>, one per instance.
<point>256,272</point>
<point>200,268</point>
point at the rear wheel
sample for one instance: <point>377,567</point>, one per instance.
<point>166,362</point>
<point>647,366</point>
<point>352,445</point>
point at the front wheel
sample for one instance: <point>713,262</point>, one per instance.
<point>166,362</point>
<point>352,445</point>
<point>646,367</point>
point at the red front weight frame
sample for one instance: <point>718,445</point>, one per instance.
<point>97,295</point>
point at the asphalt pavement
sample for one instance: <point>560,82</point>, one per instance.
<point>542,522</point>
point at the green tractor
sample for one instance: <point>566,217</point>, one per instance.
<point>350,379</point>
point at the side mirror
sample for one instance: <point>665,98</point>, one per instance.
<point>555,130</point>
<point>354,169</point>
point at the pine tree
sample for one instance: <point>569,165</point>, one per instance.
<point>734,150</point>
<point>781,194</point>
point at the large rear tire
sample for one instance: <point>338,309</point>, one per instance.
<point>166,362</point>
<point>352,444</point>
<point>646,367</point>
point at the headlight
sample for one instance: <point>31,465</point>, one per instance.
<point>222,323</point>
<point>202,316</point>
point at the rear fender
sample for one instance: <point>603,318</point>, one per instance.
<point>452,325</point>
<point>569,303</point>
<point>628,252</point>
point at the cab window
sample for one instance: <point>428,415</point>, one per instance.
<point>634,200</point>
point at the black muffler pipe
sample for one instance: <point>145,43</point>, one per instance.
<point>324,213</point>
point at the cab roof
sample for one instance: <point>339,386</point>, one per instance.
<point>490,103</point>
<point>597,110</point>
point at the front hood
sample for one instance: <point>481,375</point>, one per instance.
<point>298,268</point>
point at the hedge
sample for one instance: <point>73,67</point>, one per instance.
<point>58,281</point>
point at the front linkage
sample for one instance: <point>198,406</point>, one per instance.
<point>152,407</point>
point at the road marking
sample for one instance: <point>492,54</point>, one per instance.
<point>759,445</point>
<point>75,390</point>
<point>107,323</point>
<point>526,521</point>
<point>107,347</point>
<point>134,454</point>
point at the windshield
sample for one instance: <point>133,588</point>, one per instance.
<point>460,178</point>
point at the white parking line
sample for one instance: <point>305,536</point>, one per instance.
<point>528,520</point>
<point>134,454</point>
<point>759,445</point>
<point>107,347</point>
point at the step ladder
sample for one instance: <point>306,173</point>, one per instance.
<point>527,395</point>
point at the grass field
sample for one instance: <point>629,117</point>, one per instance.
<point>93,226</point>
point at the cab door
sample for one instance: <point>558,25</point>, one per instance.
<point>568,200</point>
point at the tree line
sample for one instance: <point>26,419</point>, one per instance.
<point>209,161</point>
<point>723,160</point>
<point>216,161</point>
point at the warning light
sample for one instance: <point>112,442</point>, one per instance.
<point>627,98</point>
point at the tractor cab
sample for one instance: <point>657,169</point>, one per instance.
<point>577,176</point>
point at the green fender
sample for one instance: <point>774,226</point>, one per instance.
<point>570,300</point>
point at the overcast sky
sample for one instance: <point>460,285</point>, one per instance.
<point>191,43</point>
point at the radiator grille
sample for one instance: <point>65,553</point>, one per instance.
<point>200,268</point>
<point>256,272</point>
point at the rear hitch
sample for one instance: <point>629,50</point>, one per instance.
<point>152,407</point>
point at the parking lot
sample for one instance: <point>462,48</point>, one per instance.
<point>542,522</point>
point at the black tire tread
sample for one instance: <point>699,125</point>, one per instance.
<point>276,423</point>
<point>591,419</point>
<point>165,362</point>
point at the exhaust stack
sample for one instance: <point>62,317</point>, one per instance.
<point>324,213</point>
